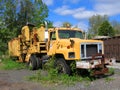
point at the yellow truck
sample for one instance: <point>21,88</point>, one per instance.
<point>36,45</point>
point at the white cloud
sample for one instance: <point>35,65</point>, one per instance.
<point>108,7</point>
<point>106,1</point>
<point>57,24</point>
<point>101,7</point>
<point>48,2</point>
<point>64,10</point>
<point>79,13</point>
<point>82,25</point>
<point>83,14</point>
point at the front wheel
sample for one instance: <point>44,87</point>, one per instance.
<point>62,66</point>
<point>39,63</point>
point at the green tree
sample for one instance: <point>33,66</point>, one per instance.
<point>116,26</point>
<point>106,29</point>
<point>5,35</point>
<point>25,14</point>
<point>33,11</point>
<point>50,24</point>
<point>40,12</point>
<point>14,14</point>
<point>94,23</point>
<point>7,23</point>
<point>66,23</point>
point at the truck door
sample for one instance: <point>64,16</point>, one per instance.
<point>52,43</point>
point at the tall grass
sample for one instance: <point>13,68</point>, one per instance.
<point>53,77</point>
<point>8,64</point>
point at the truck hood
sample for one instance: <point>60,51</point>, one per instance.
<point>77,40</point>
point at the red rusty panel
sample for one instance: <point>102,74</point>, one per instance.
<point>112,47</point>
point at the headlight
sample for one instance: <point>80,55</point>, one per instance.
<point>71,55</point>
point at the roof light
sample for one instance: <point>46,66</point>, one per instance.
<point>68,25</point>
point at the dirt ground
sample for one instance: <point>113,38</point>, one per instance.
<point>16,80</point>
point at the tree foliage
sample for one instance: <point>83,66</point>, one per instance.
<point>66,23</point>
<point>106,29</point>
<point>116,26</point>
<point>14,14</point>
<point>94,23</point>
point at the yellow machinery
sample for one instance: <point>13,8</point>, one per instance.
<point>66,44</point>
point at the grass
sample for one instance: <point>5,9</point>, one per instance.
<point>109,79</point>
<point>9,64</point>
<point>111,70</point>
<point>54,78</point>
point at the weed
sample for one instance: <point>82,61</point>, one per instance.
<point>73,67</point>
<point>108,79</point>
<point>111,70</point>
<point>50,63</point>
<point>53,77</point>
<point>8,64</point>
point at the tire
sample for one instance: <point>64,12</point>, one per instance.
<point>39,63</point>
<point>33,62</point>
<point>62,66</point>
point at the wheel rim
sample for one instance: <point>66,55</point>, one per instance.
<point>60,68</point>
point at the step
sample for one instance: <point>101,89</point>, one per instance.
<point>42,42</point>
<point>42,45</point>
<point>43,51</point>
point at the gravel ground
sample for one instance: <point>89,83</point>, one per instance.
<point>15,80</point>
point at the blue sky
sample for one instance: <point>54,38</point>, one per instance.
<point>77,12</point>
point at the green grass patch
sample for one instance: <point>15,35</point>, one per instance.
<point>109,79</point>
<point>53,78</point>
<point>111,71</point>
<point>9,64</point>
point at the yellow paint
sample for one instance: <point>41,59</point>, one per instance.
<point>27,44</point>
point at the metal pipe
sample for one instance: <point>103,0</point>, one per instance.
<point>46,31</point>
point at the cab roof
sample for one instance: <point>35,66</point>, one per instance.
<point>63,28</point>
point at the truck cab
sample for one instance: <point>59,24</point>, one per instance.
<point>68,45</point>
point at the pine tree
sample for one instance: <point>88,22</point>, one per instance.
<point>106,29</point>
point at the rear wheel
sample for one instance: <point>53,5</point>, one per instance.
<point>62,66</point>
<point>32,62</point>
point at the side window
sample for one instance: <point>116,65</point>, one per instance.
<point>52,36</point>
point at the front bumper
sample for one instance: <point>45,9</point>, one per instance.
<point>98,65</point>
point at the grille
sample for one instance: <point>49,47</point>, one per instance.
<point>88,50</point>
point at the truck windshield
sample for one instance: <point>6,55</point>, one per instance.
<point>65,34</point>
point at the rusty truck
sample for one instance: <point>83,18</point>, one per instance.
<point>37,45</point>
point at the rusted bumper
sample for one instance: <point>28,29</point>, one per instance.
<point>100,71</point>
<point>97,65</point>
